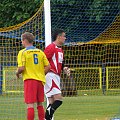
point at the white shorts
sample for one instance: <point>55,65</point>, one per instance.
<point>52,85</point>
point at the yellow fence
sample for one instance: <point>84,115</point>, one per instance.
<point>10,82</point>
<point>86,78</point>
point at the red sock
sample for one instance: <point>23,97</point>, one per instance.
<point>41,113</point>
<point>30,114</point>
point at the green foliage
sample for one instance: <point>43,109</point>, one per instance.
<point>16,11</point>
<point>83,20</point>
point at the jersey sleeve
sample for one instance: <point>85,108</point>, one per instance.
<point>49,51</point>
<point>21,59</point>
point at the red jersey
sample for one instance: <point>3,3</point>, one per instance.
<point>55,57</point>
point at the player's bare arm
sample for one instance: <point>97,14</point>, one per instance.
<point>47,68</point>
<point>19,71</point>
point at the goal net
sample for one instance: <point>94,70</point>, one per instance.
<point>92,52</point>
<point>92,45</point>
<point>11,89</point>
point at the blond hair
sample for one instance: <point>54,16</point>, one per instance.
<point>28,36</point>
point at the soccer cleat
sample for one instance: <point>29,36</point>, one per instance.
<point>47,114</point>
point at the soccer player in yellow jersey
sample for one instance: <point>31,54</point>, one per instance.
<point>33,65</point>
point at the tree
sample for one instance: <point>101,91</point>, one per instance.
<point>83,20</point>
<point>17,11</point>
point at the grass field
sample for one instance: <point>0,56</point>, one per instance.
<point>89,107</point>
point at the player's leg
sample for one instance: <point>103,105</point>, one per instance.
<point>47,113</point>
<point>40,99</point>
<point>57,102</point>
<point>30,111</point>
<point>52,87</point>
<point>48,89</point>
<point>41,112</point>
<point>30,91</point>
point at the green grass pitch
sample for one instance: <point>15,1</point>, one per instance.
<point>88,107</point>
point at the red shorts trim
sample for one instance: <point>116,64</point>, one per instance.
<point>33,91</point>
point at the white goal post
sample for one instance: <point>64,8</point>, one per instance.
<point>48,39</point>
<point>47,14</point>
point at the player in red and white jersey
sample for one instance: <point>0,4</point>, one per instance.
<point>55,55</point>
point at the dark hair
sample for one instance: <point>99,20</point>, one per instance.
<point>29,36</point>
<point>56,32</point>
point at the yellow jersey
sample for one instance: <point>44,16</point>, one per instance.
<point>34,61</point>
